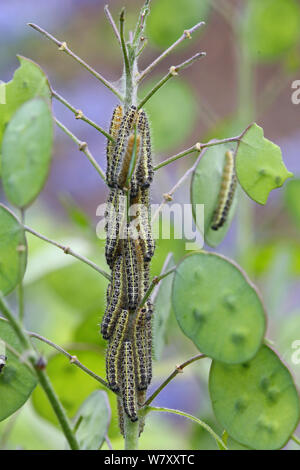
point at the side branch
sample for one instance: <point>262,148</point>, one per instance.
<point>79,115</point>
<point>178,370</point>
<point>83,147</point>
<point>68,251</point>
<point>113,24</point>
<point>173,72</point>
<point>187,34</point>
<point>64,47</point>
<point>156,280</point>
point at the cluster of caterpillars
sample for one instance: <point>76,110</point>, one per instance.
<point>226,194</point>
<point>129,248</point>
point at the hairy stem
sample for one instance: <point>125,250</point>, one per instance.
<point>79,115</point>
<point>112,22</point>
<point>63,47</point>
<point>83,147</point>
<point>173,72</point>
<point>178,370</point>
<point>156,280</point>
<point>186,35</point>
<point>131,434</point>
<point>68,251</point>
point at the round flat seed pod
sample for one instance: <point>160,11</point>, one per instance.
<point>218,308</point>
<point>205,189</point>
<point>256,402</point>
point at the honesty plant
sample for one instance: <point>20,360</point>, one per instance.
<point>216,305</point>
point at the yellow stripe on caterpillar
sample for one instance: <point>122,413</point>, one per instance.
<point>113,354</point>
<point>128,385</point>
<point>226,194</point>
<point>113,130</point>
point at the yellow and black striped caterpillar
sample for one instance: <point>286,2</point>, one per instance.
<point>126,323</point>
<point>226,194</point>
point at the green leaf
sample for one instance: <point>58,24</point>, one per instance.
<point>272,28</point>
<point>167,20</point>
<point>17,381</point>
<point>218,308</point>
<point>257,402</point>
<point>171,127</point>
<point>205,189</point>
<point>162,307</point>
<point>93,421</point>
<point>259,165</point>
<point>26,152</point>
<point>29,81</point>
<point>292,198</point>
<point>13,251</point>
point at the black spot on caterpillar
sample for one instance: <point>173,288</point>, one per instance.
<point>113,130</point>
<point>140,349</point>
<point>125,130</point>
<point>113,354</point>
<point>3,360</point>
<point>226,194</point>
<point>144,170</point>
<point>116,298</point>
<point>132,271</point>
<point>115,216</point>
<point>128,385</point>
<point>133,141</point>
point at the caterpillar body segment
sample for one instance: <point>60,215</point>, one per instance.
<point>115,216</point>
<point>125,131</point>
<point>148,332</point>
<point>133,143</point>
<point>141,349</point>
<point>114,352</point>
<point>131,269</point>
<point>144,171</point>
<point>145,226</point>
<point>115,299</point>
<point>129,386</point>
<point>113,130</point>
<point>226,194</point>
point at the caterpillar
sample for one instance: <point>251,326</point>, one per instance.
<point>115,215</point>
<point>144,171</point>
<point>116,298</point>
<point>132,271</point>
<point>113,130</point>
<point>141,350</point>
<point>226,194</point>
<point>114,350</point>
<point>133,141</point>
<point>128,386</point>
<point>145,227</point>
<point>126,127</point>
<point>148,331</point>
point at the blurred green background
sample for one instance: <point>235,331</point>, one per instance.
<point>252,59</point>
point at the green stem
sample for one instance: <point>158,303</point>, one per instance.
<point>128,76</point>
<point>83,147</point>
<point>156,280</point>
<point>205,426</point>
<point>296,439</point>
<point>41,375</point>
<point>57,408</point>
<point>21,285</point>
<point>79,115</point>
<point>131,434</point>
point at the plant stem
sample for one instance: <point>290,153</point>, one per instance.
<point>113,24</point>
<point>178,370</point>
<point>41,375</point>
<point>68,251</point>
<point>205,426</point>
<point>198,147</point>
<point>57,408</point>
<point>79,115</point>
<point>173,72</point>
<point>21,285</point>
<point>186,35</point>
<point>83,147</point>
<point>156,280</point>
<point>131,434</point>
<point>128,77</point>
<point>296,439</point>
<point>63,47</point>
<point>73,359</point>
